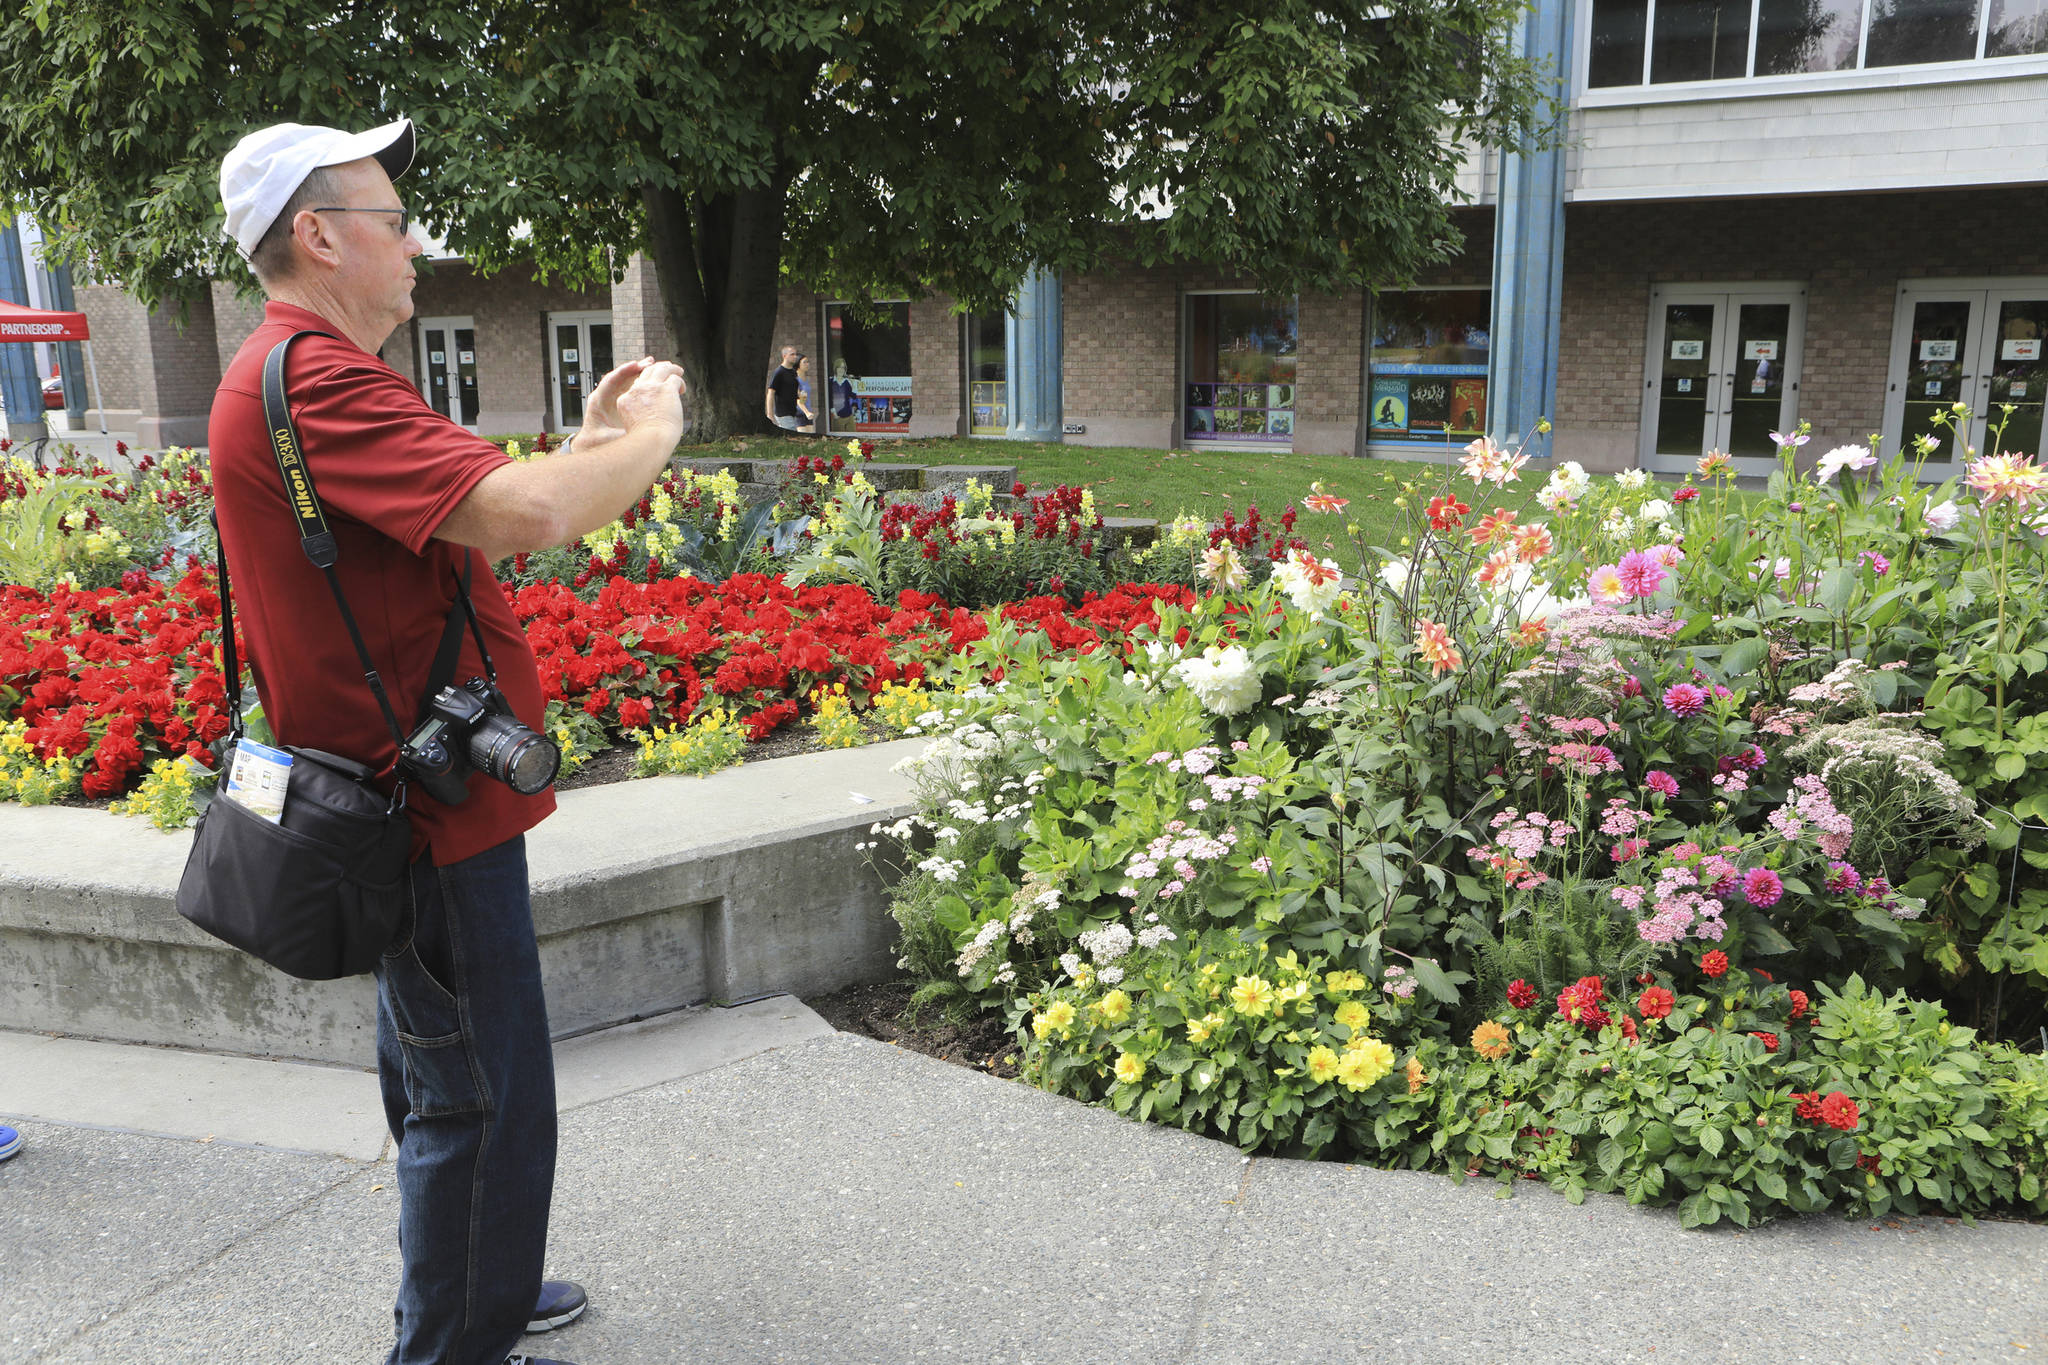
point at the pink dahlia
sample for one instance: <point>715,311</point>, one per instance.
<point>1640,573</point>
<point>1661,782</point>
<point>1684,700</point>
<point>1761,887</point>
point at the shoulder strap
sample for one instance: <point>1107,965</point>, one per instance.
<point>314,536</point>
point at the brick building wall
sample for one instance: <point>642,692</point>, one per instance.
<point>1123,360</point>
<point>510,310</point>
<point>120,346</point>
<point>1851,251</point>
<point>1120,370</point>
<point>936,367</point>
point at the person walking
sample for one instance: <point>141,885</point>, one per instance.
<point>806,398</point>
<point>463,1050</point>
<point>782,393</point>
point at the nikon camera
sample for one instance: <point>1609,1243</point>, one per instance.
<point>472,728</point>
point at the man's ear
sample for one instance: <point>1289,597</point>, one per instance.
<point>311,233</point>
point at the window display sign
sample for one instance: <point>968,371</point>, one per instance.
<point>868,386</point>
<point>2027,349</point>
<point>1390,403</point>
<point>1241,350</point>
<point>1937,350</point>
<point>1429,354</point>
<point>1688,350</point>
<point>1760,350</point>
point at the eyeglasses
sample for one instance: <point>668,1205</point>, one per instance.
<point>404,218</point>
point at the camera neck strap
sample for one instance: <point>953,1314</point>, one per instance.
<point>321,548</point>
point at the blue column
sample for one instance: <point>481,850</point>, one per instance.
<point>1528,254</point>
<point>21,391</point>
<point>1034,358</point>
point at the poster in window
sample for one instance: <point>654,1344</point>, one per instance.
<point>1429,404</point>
<point>1201,395</point>
<point>1688,350</point>
<point>1468,406</point>
<point>1937,350</point>
<point>1279,395</point>
<point>1201,422</point>
<point>2023,348</point>
<point>1389,403</point>
<point>1279,423</point>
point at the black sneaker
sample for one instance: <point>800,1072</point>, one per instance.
<point>561,1303</point>
<point>521,1358</point>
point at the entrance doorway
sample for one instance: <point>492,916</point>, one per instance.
<point>1722,373</point>
<point>447,349</point>
<point>988,374</point>
<point>1976,342</point>
<point>579,354</point>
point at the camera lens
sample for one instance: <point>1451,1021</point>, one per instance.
<point>531,765</point>
<point>513,754</point>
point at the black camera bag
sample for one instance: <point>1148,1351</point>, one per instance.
<point>322,893</point>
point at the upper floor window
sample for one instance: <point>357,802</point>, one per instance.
<point>1654,42</point>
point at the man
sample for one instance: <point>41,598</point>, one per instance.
<point>782,390</point>
<point>462,1037</point>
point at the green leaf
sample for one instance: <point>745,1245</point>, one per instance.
<point>1842,1153</point>
<point>1711,1140</point>
<point>1741,658</point>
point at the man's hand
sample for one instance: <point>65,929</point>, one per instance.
<point>643,390</point>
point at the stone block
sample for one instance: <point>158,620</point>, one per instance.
<point>1000,477</point>
<point>890,477</point>
<point>647,896</point>
<point>1133,532</point>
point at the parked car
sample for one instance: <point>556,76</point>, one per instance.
<point>53,392</point>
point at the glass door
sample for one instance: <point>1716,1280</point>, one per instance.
<point>1975,342</point>
<point>579,354</point>
<point>2017,323</point>
<point>988,374</point>
<point>1722,374</point>
<point>447,351</point>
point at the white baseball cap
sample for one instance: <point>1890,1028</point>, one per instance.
<point>268,165</point>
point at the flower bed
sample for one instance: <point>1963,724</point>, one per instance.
<point>1300,869</point>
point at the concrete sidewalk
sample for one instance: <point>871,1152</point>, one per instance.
<point>748,1185</point>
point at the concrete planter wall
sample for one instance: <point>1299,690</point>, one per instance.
<point>648,896</point>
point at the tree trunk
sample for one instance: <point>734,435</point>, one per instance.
<point>718,259</point>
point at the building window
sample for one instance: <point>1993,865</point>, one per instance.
<point>988,374</point>
<point>867,367</point>
<point>1657,42</point>
<point>1428,365</point>
<point>579,354</point>
<point>1240,369</point>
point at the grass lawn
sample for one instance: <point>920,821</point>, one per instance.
<point>1139,482</point>
<point>1142,482</point>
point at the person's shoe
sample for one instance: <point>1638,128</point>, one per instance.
<point>521,1358</point>
<point>10,1143</point>
<point>561,1303</point>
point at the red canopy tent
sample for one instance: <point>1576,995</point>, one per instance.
<point>18,323</point>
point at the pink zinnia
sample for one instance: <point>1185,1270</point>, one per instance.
<point>1633,687</point>
<point>1761,887</point>
<point>1684,700</point>
<point>1640,573</point>
<point>1843,877</point>
<point>1661,782</point>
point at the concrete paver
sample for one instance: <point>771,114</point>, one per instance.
<point>826,1198</point>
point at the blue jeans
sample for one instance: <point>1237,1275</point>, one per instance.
<point>469,1091</point>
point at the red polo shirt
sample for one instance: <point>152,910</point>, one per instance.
<point>388,469</point>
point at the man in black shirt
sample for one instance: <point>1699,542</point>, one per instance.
<point>781,396</point>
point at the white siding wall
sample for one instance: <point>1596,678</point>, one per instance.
<point>1981,132</point>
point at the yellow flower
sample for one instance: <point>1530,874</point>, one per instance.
<point>1364,1064</point>
<point>1129,1069</point>
<point>1252,995</point>
<point>1322,1064</point>
<point>1199,1030</point>
<point>1114,1007</point>
<point>1353,1015</point>
<point>1084,976</point>
<point>1490,1040</point>
<point>1338,983</point>
<point>1291,992</point>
